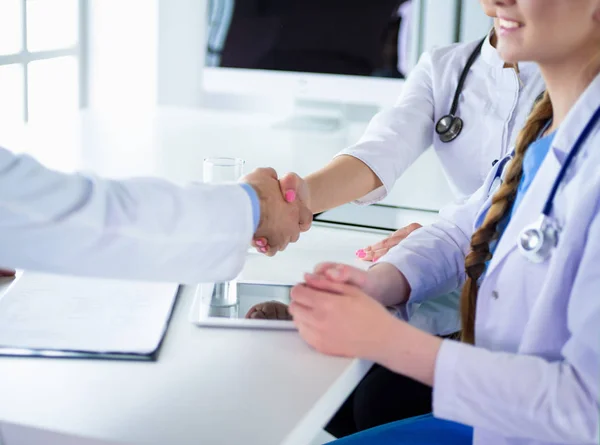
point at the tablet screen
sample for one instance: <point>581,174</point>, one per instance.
<point>244,304</point>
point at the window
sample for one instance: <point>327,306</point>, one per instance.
<point>41,58</point>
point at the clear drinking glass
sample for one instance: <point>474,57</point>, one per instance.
<point>222,170</point>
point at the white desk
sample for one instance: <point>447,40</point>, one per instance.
<point>209,386</point>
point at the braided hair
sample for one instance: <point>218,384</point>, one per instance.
<point>502,201</point>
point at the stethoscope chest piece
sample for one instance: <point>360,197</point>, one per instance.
<point>449,127</point>
<point>537,240</point>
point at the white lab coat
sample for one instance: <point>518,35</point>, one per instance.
<point>533,380</point>
<point>145,229</point>
<point>494,105</point>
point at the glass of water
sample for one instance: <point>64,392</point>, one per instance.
<point>222,170</point>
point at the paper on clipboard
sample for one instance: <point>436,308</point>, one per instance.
<point>59,316</point>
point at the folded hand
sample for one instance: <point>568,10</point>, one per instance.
<point>339,319</point>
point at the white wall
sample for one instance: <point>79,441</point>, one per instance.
<point>122,56</point>
<point>440,20</point>
<point>181,51</point>
<point>437,22</point>
<point>146,52</point>
<point>474,23</point>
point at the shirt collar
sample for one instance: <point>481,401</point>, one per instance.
<point>577,119</point>
<point>489,54</point>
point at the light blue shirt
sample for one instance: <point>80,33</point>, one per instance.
<point>255,204</point>
<point>536,153</point>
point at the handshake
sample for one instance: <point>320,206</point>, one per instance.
<point>284,209</point>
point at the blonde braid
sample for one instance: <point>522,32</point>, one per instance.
<point>502,202</point>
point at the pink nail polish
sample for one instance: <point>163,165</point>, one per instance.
<point>261,243</point>
<point>263,249</point>
<point>290,196</point>
<point>361,254</point>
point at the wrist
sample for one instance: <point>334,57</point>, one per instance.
<point>309,191</point>
<point>409,351</point>
<point>387,284</point>
<point>384,336</point>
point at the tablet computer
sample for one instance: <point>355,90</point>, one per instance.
<point>376,217</point>
<point>243,304</point>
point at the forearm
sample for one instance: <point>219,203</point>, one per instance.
<point>134,229</point>
<point>343,180</point>
<point>387,285</point>
<point>408,351</point>
<point>518,395</point>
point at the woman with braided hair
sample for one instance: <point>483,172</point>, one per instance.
<point>527,371</point>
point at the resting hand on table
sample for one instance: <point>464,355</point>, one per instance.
<point>376,251</point>
<point>340,319</point>
<point>345,274</point>
<point>293,189</point>
<point>281,220</point>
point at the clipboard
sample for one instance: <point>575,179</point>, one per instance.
<point>51,316</point>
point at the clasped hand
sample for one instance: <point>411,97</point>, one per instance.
<point>283,212</point>
<point>336,315</point>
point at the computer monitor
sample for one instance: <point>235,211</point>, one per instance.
<point>325,54</point>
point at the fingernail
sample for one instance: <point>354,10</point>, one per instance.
<point>261,243</point>
<point>290,196</point>
<point>263,249</point>
<point>361,253</point>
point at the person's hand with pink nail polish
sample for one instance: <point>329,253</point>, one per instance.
<point>339,319</point>
<point>376,251</point>
<point>343,273</point>
<point>293,188</point>
<point>384,282</point>
<point>280,221</point>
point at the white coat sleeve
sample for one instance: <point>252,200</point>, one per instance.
<point>145,229</point>
<point>526,396</point>
<point>396,137</point>
<point>432,258</point>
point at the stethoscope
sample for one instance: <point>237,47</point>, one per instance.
<point>537,241</point>
<point>450,125</point>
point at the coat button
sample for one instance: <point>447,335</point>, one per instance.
<point>495,295</point>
